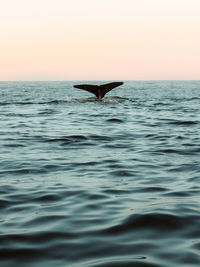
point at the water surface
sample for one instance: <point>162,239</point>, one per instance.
<point>90,183</point>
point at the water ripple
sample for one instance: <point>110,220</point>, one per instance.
<point>99,183</point>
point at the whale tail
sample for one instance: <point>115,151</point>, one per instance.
<point>99,90</point>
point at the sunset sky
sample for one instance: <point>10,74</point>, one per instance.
<point>99,39</point>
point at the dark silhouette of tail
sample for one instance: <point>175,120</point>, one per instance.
<point>99,90</point>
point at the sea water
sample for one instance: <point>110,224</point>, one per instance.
<point>100,183</point>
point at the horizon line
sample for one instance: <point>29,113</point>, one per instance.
<point>100,80</point>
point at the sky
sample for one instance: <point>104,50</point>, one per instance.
<point>99,40</point>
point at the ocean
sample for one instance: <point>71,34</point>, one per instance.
<point>100,183</point>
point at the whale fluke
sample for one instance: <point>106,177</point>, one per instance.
<point>99,90</point>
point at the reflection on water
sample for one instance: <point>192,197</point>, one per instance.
<point>99,183</point>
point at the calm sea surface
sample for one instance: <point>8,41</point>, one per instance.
<point>90,183</point>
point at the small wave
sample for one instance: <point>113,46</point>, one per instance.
<point>104,138</point>
<point>151,221</point>
<point>14,145</point>
<point>193,98</point>
<point>68,139</point>
<point>177,151</point>
<point>162,104</point>
<point>16,103</point>
<point>121,173</point>
<point>183,122</point>
<point>178,194</point>
<point>32,102</point>
<point>23,103</point>
<point>68,100</point>
<point>55,140</point>
<point>113,99</point>
<point>23,171</point>
<point>115,120</point>
<point>153,189</point>
<point>120,261</point>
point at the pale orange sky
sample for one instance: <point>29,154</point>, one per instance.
<point>99,39</point>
